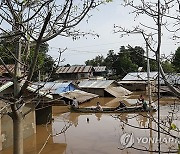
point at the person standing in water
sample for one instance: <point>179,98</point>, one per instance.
<point>99,107</point>
<point>75,103</point>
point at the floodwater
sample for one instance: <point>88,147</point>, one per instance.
<point>74,133</point>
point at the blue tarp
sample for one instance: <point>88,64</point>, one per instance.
<point>55,87</point>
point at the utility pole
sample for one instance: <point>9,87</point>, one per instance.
<point>148,74</point>
<point>149,93</point>
<point>158,64</point>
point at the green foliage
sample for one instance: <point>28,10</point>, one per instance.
<point>8,59</point>
<point>153,65</point>
<point>109,1</point>
<point>176,60</point>
<point>97,61</point>
<point>5,54</point>
<point>124,63</point>
<point>173,127</point>
<point>67,65</point>
<point>44,62</point>
<point>110,59</point>
<point>127,60</point>
<point>137,55</point>
<point>178,148</point>
<point>167,67</point>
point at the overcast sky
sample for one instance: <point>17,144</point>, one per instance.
<point>102,22</point>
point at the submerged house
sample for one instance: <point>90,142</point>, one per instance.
<point>104,88</point>
<point>173,79</point>
<point>4,74</point>
<point>54,89</point>
<point>44,109</point>
<point>99,71</point>
<point>74,72</point>
<point>6,125</point>
<point>63,92</point>
<point>80,95</point>
<point>138,81</point>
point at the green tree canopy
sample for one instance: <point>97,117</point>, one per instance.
<point>45,61</point>
<point>97,61</point>
<point>128,59</point>
<point>110,59</point>
<point>168,67</point>
<point>124,63</point>
<point>176,60</point>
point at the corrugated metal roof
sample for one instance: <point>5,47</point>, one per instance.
<point>3,70</point>
<point>54,87</point>
<point>10,67</point>
<point>130,82</point>
<point>100,69</point>
<point>81,96</point>
<point>10,83</point>
<point>6,85</point>
<point>172,78</point>
<point>118,91</point>
<point>40,92</point>
<point>95,83</point>
<point>74,69</point>
<point>135,76</point>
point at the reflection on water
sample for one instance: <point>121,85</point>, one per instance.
<point>142,121</point>
<point>98,115</point>
<point>101,134</point>
<point>94,133</point>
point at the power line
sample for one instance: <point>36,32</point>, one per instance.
<point>75,49</point>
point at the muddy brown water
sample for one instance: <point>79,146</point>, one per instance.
<point>97,133</point>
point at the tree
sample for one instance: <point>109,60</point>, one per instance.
<point>176,60</point>
<point>29,24</point>
<point>97,61</point>
<point>165,16</point>
<point>161,13</point>
<point>137,55</point>
<point>127,60</point>
<point>168,67</point>
<point>124,63</point>
<point>5,57</point>
<point>110,59</point>
<point>45,63</point>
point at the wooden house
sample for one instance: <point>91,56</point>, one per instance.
<point>138,81</point>
<point>173,79</point>
<point>99,71</point>
<point>74,72</point>
<point>6,125</point>
<point>4,74</point>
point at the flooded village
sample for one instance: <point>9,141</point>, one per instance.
<point>53,128</point>
<point>89,77</point>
